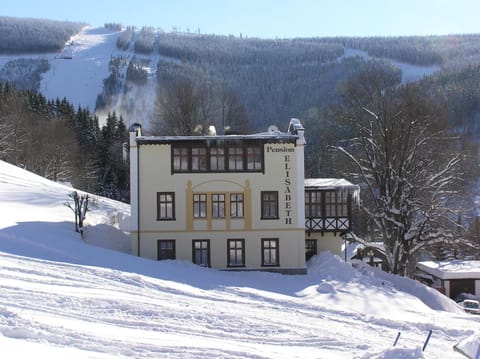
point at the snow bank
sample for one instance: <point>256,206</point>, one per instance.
<point>64,296</point>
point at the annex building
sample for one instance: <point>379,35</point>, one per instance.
<point>234,202</point>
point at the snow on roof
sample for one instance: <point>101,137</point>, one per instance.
<point>257,136</point>
<point>333,184</point>
<point>329,183</point>
<point>455,269</point>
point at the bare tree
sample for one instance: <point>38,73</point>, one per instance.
<point>79,208</point>
<point>409,168</point>
<point>14,122</point>
<point>179,109</point>
<point>232,114</point>
<point>187,108</point>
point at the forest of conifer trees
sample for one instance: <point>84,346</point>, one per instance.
<point>53,140</point>
<point>245,85</point>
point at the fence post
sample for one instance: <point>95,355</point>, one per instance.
<point>426,340</point>
<point>396,339</point>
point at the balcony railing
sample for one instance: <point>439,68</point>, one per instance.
<point>327,224</point>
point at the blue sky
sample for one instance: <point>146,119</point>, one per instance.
<point>267,18</point>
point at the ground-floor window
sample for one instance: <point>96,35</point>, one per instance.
<point>166,249</point>
<point>310,248</point>
<point>201,252</point>
<point>270,252</point>
<point>236,252</point>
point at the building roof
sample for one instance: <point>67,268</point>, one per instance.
<point>329,183</point>
<point>455,269</point>
<point>295,133</point>
<point>265,137</point>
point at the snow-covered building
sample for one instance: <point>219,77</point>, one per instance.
<point>234,202</point>
<point>451,277</point>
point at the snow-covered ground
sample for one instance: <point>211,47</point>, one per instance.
<point>409,72</point>
<point>80,78</point>
<point>61,296</point>
<point>78,72</point>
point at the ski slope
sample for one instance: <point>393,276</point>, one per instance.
<point>78,72</point>
<point>64,296</point>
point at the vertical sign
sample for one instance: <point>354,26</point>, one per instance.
<point>288,192</point>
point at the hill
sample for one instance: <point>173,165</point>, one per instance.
<point>64,296</point>
<point>125,69</point>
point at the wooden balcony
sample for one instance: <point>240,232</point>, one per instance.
<point>328,224</point>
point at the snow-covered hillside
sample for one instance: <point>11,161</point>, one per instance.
<point>61,296</point>
<point>79,71</point>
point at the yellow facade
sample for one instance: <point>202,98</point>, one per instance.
<point>153,163</point>
<point>223,213</point>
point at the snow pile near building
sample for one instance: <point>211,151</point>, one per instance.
<point>64,296</point>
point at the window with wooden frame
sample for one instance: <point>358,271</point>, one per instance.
<point>198,156</point>
<point>254,157</point>
<point>165,206</point>
<point>330,204</point>
<point>199,159</point>
<point>217,159</point>
<point>181,157</point>
<point>218,205</point>
<point>313,204</point>
<point>270,252</point>
<point>166,249</point>
<point>235,158</point>
<point>342,203</point>
<point>236,205</point>
<point>269,205</point>
<point>201,252</point>
<point>199,205</point>
<point>236,252</point>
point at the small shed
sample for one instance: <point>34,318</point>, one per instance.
<point>371,253</point>
<point>451,277</point>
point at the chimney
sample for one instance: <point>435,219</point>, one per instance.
<point>296,128</point>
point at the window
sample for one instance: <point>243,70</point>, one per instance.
<point>330,204</point>
<point>235,158</point>
<point>165,206</point>
<point>310,248</point>
<point>254,158</point>
<point>313,204</point>
<point>180,159</point>
<point>270,252</point>
<point>217,156</point>
<point>236,252</point>
<point>201,252</point>
<point>336,204</point>
<point>199,159</point>
<point>269,205</point>
<point>166,249</point>
<point>342,203</point>
<point>200,206</point>
<point>218,205</point>
<point>217,159</point>
<point>236,205</point>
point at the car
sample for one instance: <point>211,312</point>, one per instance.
<point>462,296</point>
<point>471,306</point>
